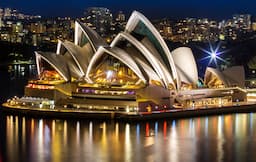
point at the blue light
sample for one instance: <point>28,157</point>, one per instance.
<point>213,54</point>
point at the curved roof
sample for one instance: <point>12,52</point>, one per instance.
<point>67,51</point>
<point>80,55</point>
<point>235,76</point>
<point>84,34</point>
<point>60,48</point>
<point>139,24</point>
<point>120,55</point>
<point>158,66</point>
<point>149,71</point>
<point>185,65</point>
<point>56,61</point>
<point>213,76</point>
<point>140,47</point>
<point>252,63</point>
<point>75,56</point>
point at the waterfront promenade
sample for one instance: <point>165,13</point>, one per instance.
<point>61,112</point>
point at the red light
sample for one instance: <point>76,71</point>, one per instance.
<point>165,128</point>
<point>147,130</point>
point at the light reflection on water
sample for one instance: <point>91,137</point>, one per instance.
<point>17,71</point>
<point>215,138</point>
<point>14,78</point>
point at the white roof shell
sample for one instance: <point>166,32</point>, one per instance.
<point>185,65</point>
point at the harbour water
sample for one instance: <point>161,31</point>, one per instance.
<point>217,138</point>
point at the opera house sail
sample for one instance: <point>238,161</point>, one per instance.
<point>135,72</point>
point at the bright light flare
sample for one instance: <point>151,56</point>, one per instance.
<point>213,54</point>
<point>109,74</point>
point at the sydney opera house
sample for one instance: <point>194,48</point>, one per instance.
<point>135,72</point>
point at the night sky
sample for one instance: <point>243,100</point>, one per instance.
<point>216,9</point>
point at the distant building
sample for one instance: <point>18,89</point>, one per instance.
<point>17,27</point>
<point>99,19</point>
<point>1,12</point>
<point>254,26</point>
<point>164,28</point>
<point>1,22</point>
<point>7,13</point>
<point>242,21</point>
<point>37,28</point>
<point>13,14</point>
<point>120,17</point>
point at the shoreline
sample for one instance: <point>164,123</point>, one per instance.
<point>65,113</point>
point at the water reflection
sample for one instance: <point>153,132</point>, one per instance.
<point>17,71</point>
<point>14,78</point>
<point>215,138</point>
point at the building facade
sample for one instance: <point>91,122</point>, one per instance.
<point>135,72</point>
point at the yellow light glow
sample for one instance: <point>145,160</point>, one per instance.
<point>120,73</point>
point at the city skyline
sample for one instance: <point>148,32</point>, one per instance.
<point>171,9</point>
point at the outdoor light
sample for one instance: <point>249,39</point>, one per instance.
<point>213,54</point>
<point>109,74</point>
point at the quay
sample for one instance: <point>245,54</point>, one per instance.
<point>74,113</point>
